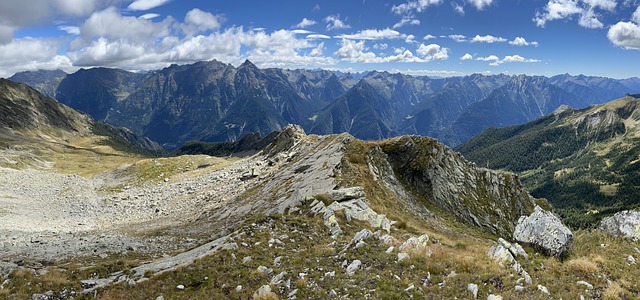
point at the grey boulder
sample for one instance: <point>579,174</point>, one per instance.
<point>545,231</point>
<point>622,224</point>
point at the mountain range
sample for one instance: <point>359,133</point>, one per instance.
<point>585,162</point>
<point>212,101</point>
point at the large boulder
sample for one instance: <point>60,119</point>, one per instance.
<point>622,224</point>
<point>544,230</point>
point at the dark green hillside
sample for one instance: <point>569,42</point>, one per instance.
<point>585,162</point>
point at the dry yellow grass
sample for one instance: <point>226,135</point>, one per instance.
<point>614,292</point>
<point>582,266</point>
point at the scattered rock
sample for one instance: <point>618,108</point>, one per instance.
<point>586,284</point>
<point>387,239</point>
<point>623,224</point>
<point>353,267</point>
<point>360,244</point>
<point>402,256</point>
<point>410,288</point>
<point>160,297</point>
<point>262,291</point>
<point>238,288</point>
<point>265,270</point>
<point>246,259</point>
<point>631,260</point>
<point>362,235</point>
<point>277,261</point>
<point>390,250</point>
<point>544,230</point>
<point>473,288</point>
<point>543,289</point>
<point>515,248</point>
<point>347,194</point>
<point>415,243</point>
<point>278,278</point>
<point>519,288</point>
<point>494,297</point>
<point>333,294</point>
<point>180,287</point>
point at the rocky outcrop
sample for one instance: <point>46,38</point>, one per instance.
<point>622,224</point>
<point>352,202</point>
<point>545,231</point>
<point>479,197</point>
<point>289,136</point>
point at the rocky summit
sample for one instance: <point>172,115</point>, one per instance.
<point>302,217</point>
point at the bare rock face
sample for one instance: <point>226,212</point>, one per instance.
<point>622,224</point>
<point>290,135</point>
<point>544,230</point>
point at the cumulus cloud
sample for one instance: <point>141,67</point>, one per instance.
<point>357,52</point>
<point>31,54</point>
<point>433,52</point>
<point>496,61</point>
<point>480,4</point>
<point>145,4</point>
<point>305,23</point>
<point>197,21</point>
<point>625,35</point>
<point>487,39</point>
<point>334,23</point>
<point>439,73</point>
<point>466,56</point>
<point>636,16</point>
<point>428,37</point>
<point>373,34</point>
<point>414,6</point>
<point>565,9</point>
<point>110,24</point>
<point>520,41</point>
<point>458,38</point>
<point>406,20</point>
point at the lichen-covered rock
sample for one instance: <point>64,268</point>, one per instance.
<point>347,193</point>
<point>353,267</point>
<point>290,135</point>
<point>415,243</point>
<point>544,230</point>
<point>622,224</point>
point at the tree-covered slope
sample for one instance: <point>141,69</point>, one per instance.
<point>585,162</point>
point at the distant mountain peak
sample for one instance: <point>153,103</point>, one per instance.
<point>247,64</point>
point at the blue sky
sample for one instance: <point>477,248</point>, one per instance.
<point>420,37</point>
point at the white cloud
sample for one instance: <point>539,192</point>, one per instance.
<point>428,37</point>
<point>149,16</point>
<point>466,56</point>
<point>317,36</point>
<point>520,41</point>
<point>439,73</point>
<point>373,34</point>
<point>357,52</point>
<point>414,6</point>
<point>488,58</point>
<point>74,30</point>
<point>409,39</point>
<point>110,24</point>
<point>480,4</point>
<point>585,9</point>
<point>433,52</point>
<point>496,61</point>
<point>301,31</point>
<point>197,21</point>
<point>382,46</point>
<point>305,23</point>
<point>458,8</point>
<point>636,16</point>
<point>31,54</point>
<point>406,20</point>
<point>458,38</point>
<point>146,4</point>
<point>487,39</point>
<point>625,35</point>
<point>334,23</point>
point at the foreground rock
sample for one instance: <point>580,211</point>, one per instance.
<point>622,224</point>
<point>544,230</point>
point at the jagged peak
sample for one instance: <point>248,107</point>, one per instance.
<point>247,64</point>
